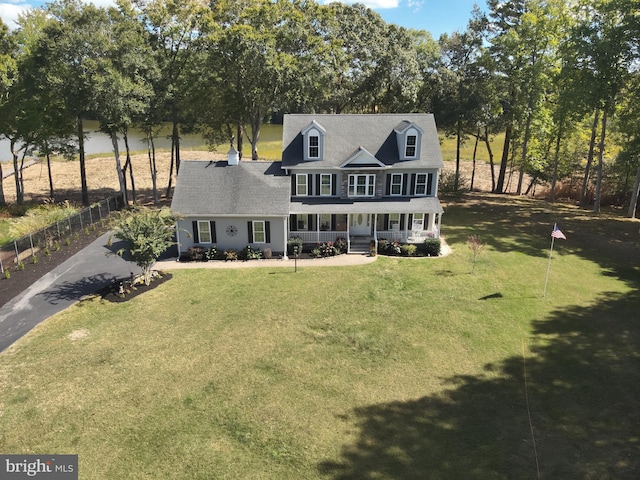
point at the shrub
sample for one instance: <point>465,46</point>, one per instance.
<point>20,265</point>
<point>213,254</point>
<point>447,182</point>
<point>250,253</point>
<point>293,242</point>
<point>408,250</point>
<point>7,274</point>
<point>196,253</point>
<point>230,255</point>
<point>431,247</point>
<point>34,259</point>
<point>341,245</point>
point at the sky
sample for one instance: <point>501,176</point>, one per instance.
<point>435,16</point>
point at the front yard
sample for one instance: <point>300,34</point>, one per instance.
<point>399,369</point>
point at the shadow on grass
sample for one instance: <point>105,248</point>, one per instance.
<point>583,378</point>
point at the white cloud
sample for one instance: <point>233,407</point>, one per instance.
<point>372,3</point>
<point>415,5</point>
<point>9,13</point>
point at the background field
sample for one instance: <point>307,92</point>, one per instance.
<point>400,369</point>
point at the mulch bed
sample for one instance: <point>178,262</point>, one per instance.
<point>122,290</point>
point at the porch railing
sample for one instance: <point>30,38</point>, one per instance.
<point>404,236</point>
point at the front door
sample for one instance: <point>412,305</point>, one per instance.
<point>360,224</point>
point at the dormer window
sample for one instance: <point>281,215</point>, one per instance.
<point>313,141</point>
<point>410,149</point>
<point>409,137</point>
<point>314,147</point>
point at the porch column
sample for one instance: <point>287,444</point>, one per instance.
<point>285,224</point>
<point>178,238</point>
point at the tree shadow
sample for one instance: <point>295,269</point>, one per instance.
<point>71,291</point>
<point>583,385</point>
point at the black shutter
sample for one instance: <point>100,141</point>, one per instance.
<point>387,190</point>
<point>429,182</point>
<point>212,227</point>
<point>267,232</point>
<point>425,222</point>
<point>386,222</point>
<point>309,184</point>
<point>405,184</point>
<point>334,184</point>
<point>293,222</point>
<point>410,221</point>
<point>196,236</point>
<point>402,225</point>
<point>293,185</point>
<point>318,177</point>
<point>250,230</point>
<point>310,226</point>
<point>413,185</point>
<point>333,223</point>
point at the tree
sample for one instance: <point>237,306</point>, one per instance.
<point>7,75</point>
<point>148,233</point>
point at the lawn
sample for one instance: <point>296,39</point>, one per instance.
<point>400,369</point>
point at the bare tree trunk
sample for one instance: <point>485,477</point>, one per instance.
<point>473,169</point>
<point>16,169</point>
<point>50,173</point>
<point>239,135</point>
<point>490,152</point>
<point>121,177</point>
<point>176,139</point>
<point>83,169</point>
<point>633,206</point>
<point>151,152</point>
<point>456,179</point>
<point>587,170</point>
<point>256,124</point>
<point>173,149</point>
<point>505,160</point>
<point>3,200</point>
<point>525,147</point>
<point>603,134</point>
<point>130,163</point>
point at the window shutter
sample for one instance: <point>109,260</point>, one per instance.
<point>405,184</point>
<point>387,190</point>
<point>293,222</point>
<point>403,225</point>
<point>294,187</point>
<point>334,184</point>
<point>318,176</point>
<point>212,228</point>
<point>333,222</point>
<point>386,221</point>
<point>425,222</point>
<point>309,184</point>
<point>429,183</point>
<point>413,184</point>
<point>267,232</point>
<point>410,221</point>
<point>310,226</point>
<point>196,235</point>
<point>250,230</point>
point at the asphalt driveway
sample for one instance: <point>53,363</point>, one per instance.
<point>84,273</point>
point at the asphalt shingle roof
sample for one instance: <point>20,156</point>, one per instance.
<point>374,132</point>
<point>216,188</point>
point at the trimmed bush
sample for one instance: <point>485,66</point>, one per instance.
<point>250,253</point>
<point>341,245</point>
<point>408,250</point>
<point>431,247</point>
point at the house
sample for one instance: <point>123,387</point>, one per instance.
<point>358,177</point>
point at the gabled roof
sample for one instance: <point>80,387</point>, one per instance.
<point>374,132</point>
<point>362,158</point>
<point>216,188</point>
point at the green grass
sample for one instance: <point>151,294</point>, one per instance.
<point>404,368</point>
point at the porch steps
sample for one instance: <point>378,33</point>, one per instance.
<point>360,244</point>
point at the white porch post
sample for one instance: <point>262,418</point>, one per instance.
<point>178,238</point>
<point>285,229</point>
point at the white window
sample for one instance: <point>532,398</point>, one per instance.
<point>325,221</point>
<point>410,148</point>
<point>421,184</point>
<point>314,146</point>
<point>362,185</point>
<point>396,184</point>
<point>325,184</point>
<point>302,222</point>
<point>301,184</point>
<point>204,232</point>
<point>418,219</point>
<point>394,221</point>
<point>259,235</point>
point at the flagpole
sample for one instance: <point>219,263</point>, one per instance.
<point>544,292</point>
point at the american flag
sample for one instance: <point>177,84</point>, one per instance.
<point>557,233</point>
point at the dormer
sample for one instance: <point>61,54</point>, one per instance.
<point>313,142</point>
<point>409,138</point>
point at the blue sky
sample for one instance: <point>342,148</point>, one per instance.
<point>435,16</point>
